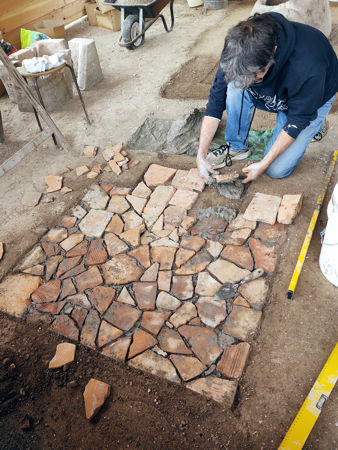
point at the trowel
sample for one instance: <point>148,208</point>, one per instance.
<point>228,291</point>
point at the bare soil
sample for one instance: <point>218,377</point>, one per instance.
<point>296,337</point>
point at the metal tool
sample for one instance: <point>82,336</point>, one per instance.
<point>228,291</point>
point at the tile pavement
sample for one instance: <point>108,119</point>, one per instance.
<point>130,274</point>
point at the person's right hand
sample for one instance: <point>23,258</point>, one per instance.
<point>205,168</point>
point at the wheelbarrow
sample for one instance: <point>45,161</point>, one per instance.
<point>133,17</point>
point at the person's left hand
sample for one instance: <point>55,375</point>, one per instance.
<point>253,171</point>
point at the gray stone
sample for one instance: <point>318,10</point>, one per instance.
<point>232,191</point>
<point>218,212</point>
<point>224,340</point>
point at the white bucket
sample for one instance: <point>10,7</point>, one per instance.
<point>328,259</point>
<point>194,3</point>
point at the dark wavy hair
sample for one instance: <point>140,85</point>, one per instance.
<point>248,49</point>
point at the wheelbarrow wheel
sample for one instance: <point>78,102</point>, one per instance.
<point>130,30</point>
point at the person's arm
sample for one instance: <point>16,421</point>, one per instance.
<point>208,130</point>
<point>282,142</point>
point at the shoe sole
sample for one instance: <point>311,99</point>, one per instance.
<point>238,157</point>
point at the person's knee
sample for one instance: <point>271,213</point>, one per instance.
<point>274,171</point>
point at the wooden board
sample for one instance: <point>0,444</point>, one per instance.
<point>16,14</point>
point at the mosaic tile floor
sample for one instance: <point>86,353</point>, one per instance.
<point>130,274</point>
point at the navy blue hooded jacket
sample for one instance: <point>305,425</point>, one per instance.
<point>303,78</point>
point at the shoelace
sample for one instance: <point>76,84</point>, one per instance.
<point>226,148</point>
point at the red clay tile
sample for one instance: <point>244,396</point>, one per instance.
<point>241,256</point>
<point>79,250</point>
<point>121,269</point>
<point>164,256</point>
<point>192,242</point>
<point>107,333</point>
<point>66,326</point>
<point>152,321</point>
<point>270,232</point>
<point>90,328</point>
<point>255,292</point>
<point>233,360</point>
<point>196,264</point>
<point>141,342</point>
<point>48,292</point>
<point>156,175</point>
<point>188,367</point>
<point>170,341</point>
<point>142,255</point>
<point>68,288</point>
<point>79,315</point>
<point>51,266</point>
<point>242,322</point>
<point>67,264</point>
<point>212,312</point>
<point>102,297</point>
<point>51,249</point>
<point>97,254</point>
<point>264,255</point>
<point>164,280</point>
<point>182,287</point>
<point>88,279</point>
<point>203,343</point>
<point>209,227</point>
<point>73,272</point>
<point>51,308</point>
<point>118,349</point>
<point>145,295</point>
<point>122,316</point>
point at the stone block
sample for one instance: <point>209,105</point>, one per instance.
<point>86,62</point>
<point>289,208</point>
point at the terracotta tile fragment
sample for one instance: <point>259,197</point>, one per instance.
<point>182,287</point>
<point>206,285</point>
<point>167,301</point>
<point>68,288</point>
<point>106,187</point>
<point>263,208</point>
<point>96,198</point>
<point>142,255</point>
<point>196,264</point>
<point>164,280</point>
<point>78,212</point>
<point>51,308</point>
<point>141,190</point>
<point>65,354</point>
<point>114,167</point>
<point>164,242</point>
<point>81,170</point>
<point>68,221</point>
<point>50,249</point>
<point>264,255</point>
<point>192,242</point>
<point>212,312</point>
<point>88,279</point>
<point>125,297</point>
<point>51,266</point>
<point>155,364</point>
<point>95,222</point>
<point>225,271</point>
<point>141,342</point>
<point>209,227</point>
<point>48,292</point>
<point>270,232</point>
<point>132,220</point>
<point>153,321</point>
<point>115,225</point>
<point>239,222</point>
<point>184,199</point>
<point>219,390</point>
<point>170,341</point>
<point>240,301</point>
<point>79,315</point>
<point>114,245</point>
<point>56,235</point>
<point>97,254</point>
<point>65,326</point>
<point>90,328</point>
<point>54,183</point>
<point>131,236</point>
<point>79,299</point>
<point>78,250</point>
<point>233,360</point>
<point>174,215</point>
<point>188,367</point>
<point>164,256</point>
<point>145,295</point>
<point>107,333</point>
<point>242,322</point>
<point>35,270</point>
<point>121,269</point>
<point>95,395</point>
<point>236,237</point>
<point>118,349</point>
<point>241,256</point>
<point>102,297</point>
<point>203,343</point>
<point>151,273</point>
<point>156,175</point>
<point>137,203</point>
<point>122,316</point>
<point>255,292</point>
<point>73,272</point>
<point>184,314</point>
<point>118,204</point>
<point>148,237</point>
<point>68,264</point>
<point>289,208</point>
<point>195,321</point>
<point>188,222</point>
<point>214,248</point>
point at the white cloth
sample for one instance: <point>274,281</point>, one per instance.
<point>43,63</point>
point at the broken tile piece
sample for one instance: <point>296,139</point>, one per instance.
<point>170,341</point>
<point>226,177</point>
<point>35,270</point>
<point>174,215</point>
<point>15,292</point>
<point>95,222</point>
<point>263,208</point>
<point>122,316</point>
<point>184,314</point>
<point>152,321</point>
<point>89,279</point>
<point>65,326</point>
<point>240,301</point>
<point>107,333</point>
<point>68,264</point>
<point>90,329</point>
<point>115,225</point>
<point>233,360</point>
<point>89,151</point>
<point>65,354</point>
<point>125,297</point>
<point>96,198</point>
<point>236,237</point>
<point>255,292</point>
<point>145,295</point>
<point>155,364</point>
<point>219,390</point>
<point>91,175</point>
<point>270,232</point>
<point>164,280</point>
<point>142,255</point>
<point>54,183</point>
<point>31,198</point>
<point>192,242</point>
<point>56,235</point>
<point>118,204</point>
<point>114,167</point>
<point>203,343</point>
<point>102,297</point>
<point>68,288</point>
<point>188,367</point>
<point>241,256</point>
<point>132,236</point>
<point>95,395</point>
<point>184,199</point>
<point>47,292</point>
<point>97,254</point>
<point>120,190</point>
<point>289,208</point>
<point>164,256</point>
<point>118,349</point>
<point>51,266</point>
<point>151,273</point>
<point>81,170</point>
<point>71,241</point>
<point>209,227</point>
<point>141,190</point>
<point>214,248</point>
<point>156,175</point>
<point>212,312</point>
<point>182,256</point>
<point>182,287</point>
<point>206,285</point>
<point>51,308</point>
<point>187,222</point>
<point>225,271</point>
<point>167,301</point>
<point>121,269</point>
<point>196,264</point>
<point>239,222</point>
<point>137,203</point>
<point>78,212</point>
<point>141,342</point>
<point>264,255</point>
<point>132,220</point>
<point>242,322</point>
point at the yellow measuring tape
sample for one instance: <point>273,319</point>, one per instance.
<point>308,236</point>
<point>301,427</point>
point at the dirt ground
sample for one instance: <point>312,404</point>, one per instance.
<point>296,337</point>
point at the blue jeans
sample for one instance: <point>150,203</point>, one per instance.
<point>237,136</point>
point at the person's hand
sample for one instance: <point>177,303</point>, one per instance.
<point>205,168</point>
<point>253,171</point>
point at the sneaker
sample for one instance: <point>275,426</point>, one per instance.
<point>224,155</point>
<point>319,136</point>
